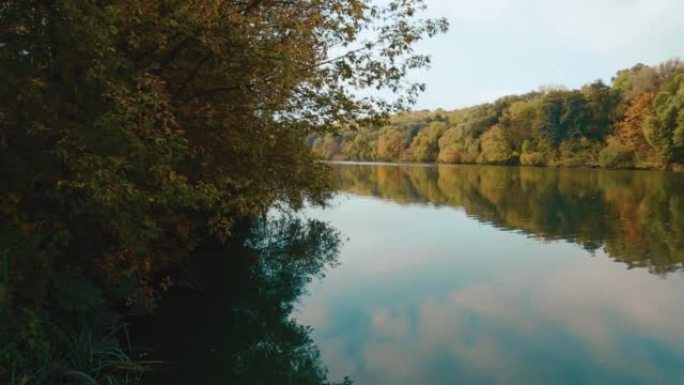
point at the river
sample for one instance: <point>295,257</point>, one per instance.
<point>503,275</point>
<point>446,275</point>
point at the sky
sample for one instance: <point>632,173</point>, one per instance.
<point>502,47</point>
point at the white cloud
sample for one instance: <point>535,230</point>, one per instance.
<point>478,326</point>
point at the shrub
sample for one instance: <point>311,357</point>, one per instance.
<point>532,159</point>
<point>616,155</point>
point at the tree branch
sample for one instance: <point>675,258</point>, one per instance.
<point>191,76</point>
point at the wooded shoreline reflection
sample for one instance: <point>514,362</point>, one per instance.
<point>230,321</point>
<point>636,217</point>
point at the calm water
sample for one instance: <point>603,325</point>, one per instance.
<point>445,275</point>
<point>490,275</point>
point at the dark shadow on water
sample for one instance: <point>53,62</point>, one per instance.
<point>231,322</point>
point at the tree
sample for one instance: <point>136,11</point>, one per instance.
<point>361,146</point>
<point>495,148</point>
<point>633,131</point>
<point>563,115</point>
<point>635,81</point>
<point>552,110</point>
<point>666,126</point>
<point>424,146</point>
<point>519,121</point>
<point>327,147</point>
<point>131,132</point>
<point>601,103</point>
<point>390,146</point>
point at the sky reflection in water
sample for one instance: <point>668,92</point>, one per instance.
<point>427,294</point>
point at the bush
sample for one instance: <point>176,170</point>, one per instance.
<point>533,159</point>
<point>579,152</point>
<point>495,148</point>
<point>616,155</point>
<point>450,154</point>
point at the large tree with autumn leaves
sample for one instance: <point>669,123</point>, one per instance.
<point>132,131</point>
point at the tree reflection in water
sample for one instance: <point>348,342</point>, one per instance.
<point>236,327</point>
<point>636,216</point>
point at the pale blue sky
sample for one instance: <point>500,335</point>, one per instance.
<point>500,47</point>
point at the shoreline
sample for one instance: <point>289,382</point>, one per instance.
<point>677,168</point>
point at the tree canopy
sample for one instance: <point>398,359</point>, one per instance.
<point>133,131</point>
<point>635,122</point>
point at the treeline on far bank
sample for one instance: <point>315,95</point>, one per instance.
<point>635,122</point>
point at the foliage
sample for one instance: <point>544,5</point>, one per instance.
<point>634,132</point>
<point>616,155</point>
<point>641,110</point>
<point>495,147</point>
<point>579,152</point>
<point>390,145</point>
<point>132,132</point>
<point>36,351</point>
<point>667,124</point>
<point>424,147</point>
<point>326,147</point>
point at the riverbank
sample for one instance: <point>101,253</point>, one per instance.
<point>678,168</point>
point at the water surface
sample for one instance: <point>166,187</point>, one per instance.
<point>493,275</point>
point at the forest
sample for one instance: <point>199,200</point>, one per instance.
<point>635,122</point>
